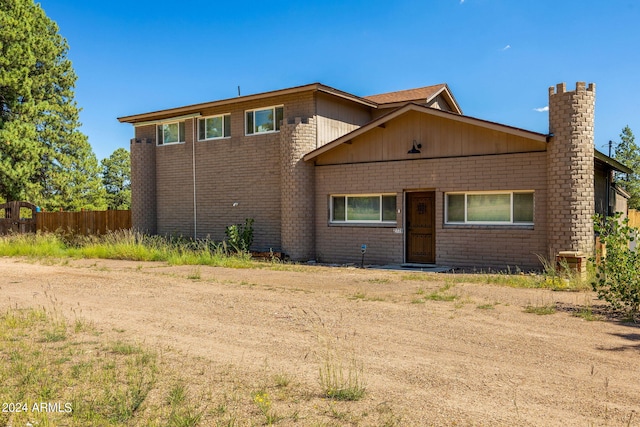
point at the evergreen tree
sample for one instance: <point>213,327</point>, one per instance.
<point>116,178</point>
<point>43,156</point>
<point>627,152</point>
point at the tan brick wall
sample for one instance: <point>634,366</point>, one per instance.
<point>298,137</point>
<point>570,170</point>
<point>469,246</point>
<point>143,185</point>
<point>242,170</point>
<point>174,186</point>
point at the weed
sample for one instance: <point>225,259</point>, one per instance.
<point>378,281</point>
<point>263,401</point>
<point>586,313</point>
<point>120,347</point>
<point>540,310</point>
<point>485,307</point>
<point>196,275</point>
<point>282,380</point>
<point>177,395</point>
<point>341,382</point>
<point>358,295</point>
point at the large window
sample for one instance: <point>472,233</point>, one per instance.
<point>263,120</point>
<point>170,133</point>
<point>369,208</point>
<point>501,208</point>
<point>214,127</point>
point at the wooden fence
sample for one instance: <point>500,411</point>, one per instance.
<point>17,217</point>
<point>634,218</point>
<point>84,222</point>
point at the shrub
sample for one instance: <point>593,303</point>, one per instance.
<point>617,279</point>
<point>240,237</point>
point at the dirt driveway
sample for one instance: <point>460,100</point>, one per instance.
<point>476,359</point>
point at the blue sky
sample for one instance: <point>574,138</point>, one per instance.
<point>499,57</point>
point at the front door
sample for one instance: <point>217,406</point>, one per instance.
<point>421,227</point>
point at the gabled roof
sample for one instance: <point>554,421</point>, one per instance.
<point>189,109</point>
<point>418,95</point>
<point>426,110</point>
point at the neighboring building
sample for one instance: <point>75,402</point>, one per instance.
<point>323,172</point>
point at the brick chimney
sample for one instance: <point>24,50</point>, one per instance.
<point>143,180</point>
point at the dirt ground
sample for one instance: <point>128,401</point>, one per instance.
<point>479,359</point>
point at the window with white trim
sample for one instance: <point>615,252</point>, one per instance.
<point>363,208</point>
<point>264,120</point>
<point>214,127</point>
<point>170,133</point>
<point>490,208</point>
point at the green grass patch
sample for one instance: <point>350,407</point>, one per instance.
<point>442,294</point>
<point>126,245</point>
<point>540,310</point>
<point>587,314</point>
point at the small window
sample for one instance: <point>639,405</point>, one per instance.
<point>264,120</point>
<point>171,133</point>
<point>500,208</point>
<point>214,127</point>
<point>370,208</point>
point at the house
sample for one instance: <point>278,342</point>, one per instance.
<point>323,172</point>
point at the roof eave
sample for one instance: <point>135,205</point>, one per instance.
<point>611,162</point>
<point>187,109</point>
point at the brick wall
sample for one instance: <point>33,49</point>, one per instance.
<point>241,170</point>
<point>570,170</point>
<point>469,246</point>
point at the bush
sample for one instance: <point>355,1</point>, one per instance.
<point>240,237</point>
<point>617,279</point>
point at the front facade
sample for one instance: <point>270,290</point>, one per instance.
<point>323,172</point>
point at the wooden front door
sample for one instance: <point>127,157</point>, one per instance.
<point>421,227</point>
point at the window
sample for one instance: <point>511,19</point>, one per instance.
<point>214,127</point>
<point>489,208</point>
<point>170,133</point>
<point>370,208</point>
<point>264,120</point>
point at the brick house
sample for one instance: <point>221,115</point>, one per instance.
<point>322,172</point>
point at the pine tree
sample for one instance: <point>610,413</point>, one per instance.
<point>627,152</point>
<point>116,178</point>
<point>44,158</point>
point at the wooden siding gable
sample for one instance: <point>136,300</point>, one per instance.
<point>439,135</point>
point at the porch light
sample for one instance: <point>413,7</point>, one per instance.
<point>415,149</point>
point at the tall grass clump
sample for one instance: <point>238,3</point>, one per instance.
<point>125,245</point>
<point>38,245</point>
<point>342,380</point>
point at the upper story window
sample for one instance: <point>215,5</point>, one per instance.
<point>490,208</point>
<point>170,133</point>
<point>264,120</point>
<point>214,127</point>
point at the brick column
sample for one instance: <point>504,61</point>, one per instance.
<point>297,188</point>
<point>570,169</point>
<point>143,181</point>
